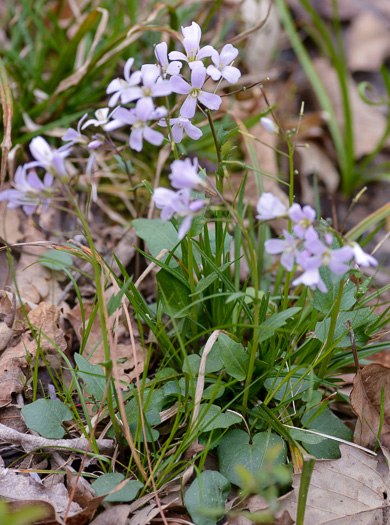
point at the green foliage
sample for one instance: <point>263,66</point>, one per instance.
<point>205,498</point>
<point>92,376</point>
<point>108,482</point>
<point>45,416</point>
<point>23,516</point>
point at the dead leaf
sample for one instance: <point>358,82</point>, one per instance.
<point>368,42</point>
<point>345,491</point>
<point>369,123</point>
<point>117,515</point>
<point>365,401</point>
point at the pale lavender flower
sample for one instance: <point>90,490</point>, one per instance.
<point>221,67</point>
<point>191,43</point>
<point>184,174</point>
<point>76,137</point>
<point>270,207</point>
<point>167,68</point>
<point>335,259</point>
<point>269,125</point>
<point>177,202</point>
<point>194,92</point>
<point>138,118</point>
<point>311,276</point>
<point>122,89</point>
<point>303,217</point>
<point>102,117</point>
<point>152,83</point>
<point>52,160</point>
<point>287,247</point>
<point>29,191</point>
<point>361,257</point>
<point>179,125</point>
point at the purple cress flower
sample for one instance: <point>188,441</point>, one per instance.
<point>194,92</point>
<point>76,137</point>
<point>167,68</point>
<point>179,125</point>
<point>29,191</point>
<point>52,160</point>
<point>177,202</point>
<point>191,42</point>
<point>311,276</point>
<point>138,118</point>
<point>122,89</point>
<point>287,247</point>
<point>185,175</point>
<point>222,67</point>
<point>269,125</point>
<point>303,217</point>
<point>270,207</point>
<point>361,257</point>
<point>102,117</point>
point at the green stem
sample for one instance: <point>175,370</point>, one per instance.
<point>332,329</point>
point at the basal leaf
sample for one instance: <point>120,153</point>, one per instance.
<point>205,498</point>
<point>45,416</point>
<point>107,482</point>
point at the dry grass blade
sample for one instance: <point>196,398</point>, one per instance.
<point>7,103</point>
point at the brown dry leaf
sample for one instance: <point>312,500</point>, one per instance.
<point>369,123</point>
<point>45,317</point>
<point>345,491</point>
<point>366,400</point>
<point>117,515</point>
<point>368,42</point>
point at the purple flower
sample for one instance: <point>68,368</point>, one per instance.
<point>269,125</point>
<point>194,54</point>
<point>335,259</point>
<point>179,125</point>
<point>123,89</point>
<point>303,217</point>
<point>177,202</point>
<point>102,117</point>
<point>311,276</point>
<point>361,257</point>
<point>287,247</point>
<point>29,191</point>
<point>138,118</point>
<point>270,207</point>
<point>222,67</point>
<point>76,137</point>
<point>185,175</point>
<point>167,68</point>
<point>52,160</point>
<point>194,92</point>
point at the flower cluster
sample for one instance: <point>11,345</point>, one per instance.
<point>304,247</point>
<point>154,81</point>
<point>184,177</point>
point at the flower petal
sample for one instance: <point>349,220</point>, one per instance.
<point>154,137</point>
<point>188,108</point>
<point>135,141</point>
<point>127,68</point>
<point>198,76</point>
<point>228,54</point>
<point>177,133</point>
<point>179,85</point>
<point>210,100</point>
<point>177,55</point>
<point>214,73</point>
<point>231,74</point>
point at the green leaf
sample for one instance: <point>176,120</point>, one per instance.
<point>326,423</point>
<point>158,235</point>
<point>305,437</point>
<point>205,498</point>
<point>323,302</point>
<point>116,300</point>
<point>232,355</point>
<point>107,482</point>
<point>360,320</point>
<point>55,259</point>
<point>235,450</point>
<point>191,365</point>
<point>173,294</point>
<point>212,417</point>
<point>275,321</point>
<point>295,386</point>
<point>92,375</point>
<point>45,417</point>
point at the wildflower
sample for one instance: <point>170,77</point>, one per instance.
<point>194,92</point>
<point>102,117</point>
<point>335,259</point>
<point>52,160</point>
<point>167,68</point>
<point>138,118</point>
<point>361,257</point>
<point>222,67</point>
<point>191,43</point>
<point>270,207</point>
<point>123,89</point>
<point>269,125</point>
<point>287,247</point>
<point>185,175</point>
<point>179,125</point>
<point>311,276</point>
<point>177,202</point>
<point>303,217</point>
<point>76,137</point>
<point>29,191</point>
